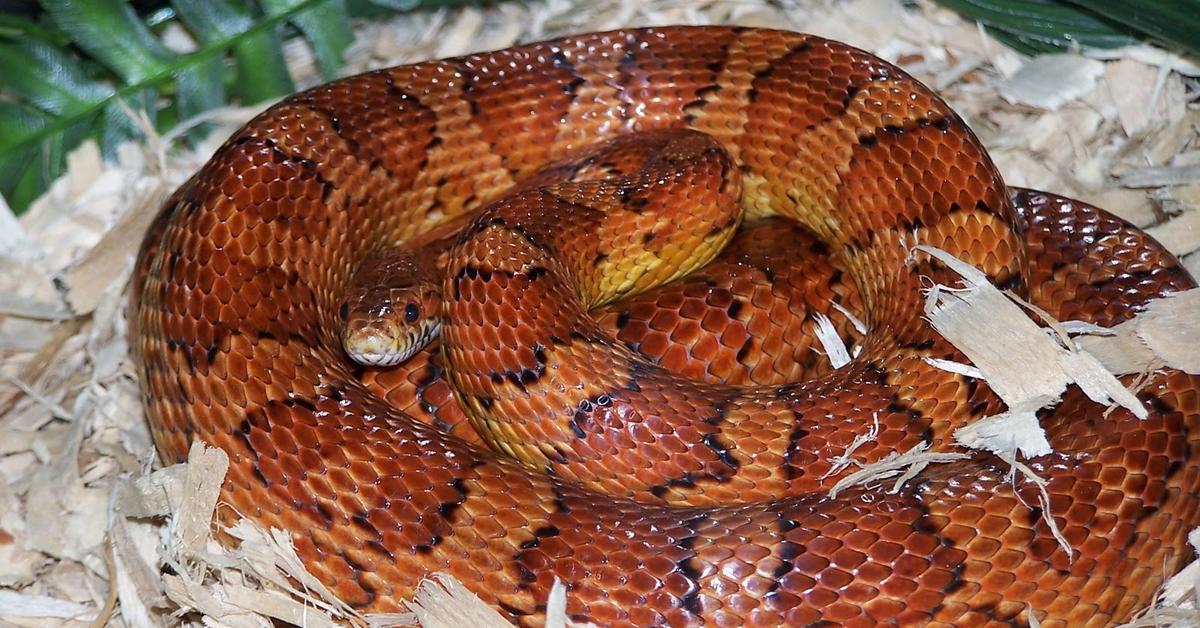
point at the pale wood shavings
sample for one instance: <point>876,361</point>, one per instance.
<point>903,466</point>
<point>1016,467</point>
<point>443,602</point>
<point>41,606</point>
<point>1021,363</point>
<point>1159,176</point>
<point>1166,333</point>
<point>835,347</point>
<point>1050,81</point>
<point>841,462</point>
<point>68,393</point>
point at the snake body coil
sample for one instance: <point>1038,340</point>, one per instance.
<point>656,499</point>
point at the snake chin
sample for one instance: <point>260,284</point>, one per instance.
<point>382,342</point>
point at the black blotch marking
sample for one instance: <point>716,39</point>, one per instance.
<point>788,552</point>
<point>687,481</point>
<point>382,550</point>
<point>851,92</point>
<point>542,532</point>
<point>537,272</point>
<point>639,369</point>
<point>448,508</point>
<point>788,58</point>
<point>446,511</point>
<point>626,71</point>
<point>713,442</point>
<point>473,273</point>
<point>343,312</point>
<point>526,376</point>
<point>734,308</point>
<point>359,570</point>
<point>700,99</point>
<point>560,500</point>
<point>745,349</point>
<point>359,520</point>
<point>513,610</point>
<point>912,223</point>
<point>1013,282</point>
<point>1157,403</point>
<point>819,247</point>
<point>877,374</point>
<point>211,353</point>
<point>485,402</point>
<point>572,87</point>
<point>243,432</point>
<point>648,237</point>
<point>560,60</point>
<point>307,166</point>
<point>897,406</point>
<point>1035,515</point>
<point>623,319</point>
<point>335,123</point>
<point>293,402</point>
<point>923,526</point>
<point>793,470</point>
<point>690,599</point>
<point>324,512</point>
<point>172,264</point>
<point>431,377</point>
<point>187,354</point>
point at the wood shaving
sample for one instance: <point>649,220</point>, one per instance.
<point>87,514</point>
<point>1051,81</point>
<point>1166,333</point>
<point>835,347</point>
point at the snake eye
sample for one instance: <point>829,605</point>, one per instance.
<point>411,312</point>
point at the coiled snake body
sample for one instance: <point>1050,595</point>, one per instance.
<point>656,499</point>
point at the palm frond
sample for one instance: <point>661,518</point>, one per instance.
<point>1037,26</point>
<point>74,68</point>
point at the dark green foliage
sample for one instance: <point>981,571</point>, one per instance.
<point>72,66</point>
<point>1035,26</point>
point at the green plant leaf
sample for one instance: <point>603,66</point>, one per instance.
<point>326,26</point>
<point>82,67</point>
<point>20,28</point>
<point>48,78</point>
<point>1034,26</point>
<point>1171,21</point>
<point>261,70</point>
<point>111,32</point>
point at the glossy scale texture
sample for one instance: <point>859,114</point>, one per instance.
<point>235,310</point>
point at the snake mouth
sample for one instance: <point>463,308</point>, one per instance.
<point>383,343</point>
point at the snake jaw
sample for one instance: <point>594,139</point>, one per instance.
<point>383,342</point>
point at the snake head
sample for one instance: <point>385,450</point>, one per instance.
<point>391,309</point>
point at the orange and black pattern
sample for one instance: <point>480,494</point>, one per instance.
<point>724,518</point>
